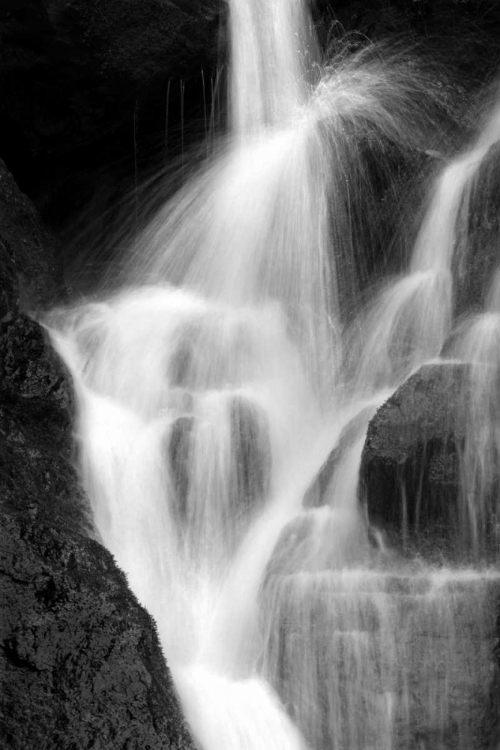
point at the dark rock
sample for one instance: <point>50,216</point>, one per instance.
<point>451,30</point>
<point>76,76</point>
<point>38,478</point>
<point>28,271</point>
<point>80,661</point>
<point>476,257</point>
<point>410,467</point>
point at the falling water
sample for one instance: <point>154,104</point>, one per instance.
<point>478,344</point>
<point>411,319</point>
<point>220,429</point>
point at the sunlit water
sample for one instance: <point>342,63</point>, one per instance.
<point>215,387</point>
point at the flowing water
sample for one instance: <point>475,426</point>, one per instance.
<point>214,386</point>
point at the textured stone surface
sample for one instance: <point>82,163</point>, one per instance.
<point>38,478</point>
<point>410,471</point>
<point>80,662</point>
<point>365,659</point>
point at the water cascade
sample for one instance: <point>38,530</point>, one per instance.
<point>214,386</point>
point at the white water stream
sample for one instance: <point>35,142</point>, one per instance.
<point>212,389</point>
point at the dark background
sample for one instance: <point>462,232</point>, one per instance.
<point>98,96</point>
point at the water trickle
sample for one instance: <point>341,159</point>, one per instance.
<point>410,320</point>
<point>478,344</point>
<point>220,425</point>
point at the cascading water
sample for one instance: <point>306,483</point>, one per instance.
<point>213,387</point>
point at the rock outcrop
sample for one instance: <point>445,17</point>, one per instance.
<point>38,479</point>
<point>80,661</point>
<point>410,466</point>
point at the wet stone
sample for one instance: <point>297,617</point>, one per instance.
<point>416,665</point>
<point>410,468</point>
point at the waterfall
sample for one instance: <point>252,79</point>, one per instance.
<point>213,386</point>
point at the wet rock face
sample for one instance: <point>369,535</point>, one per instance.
<point>406,660</point>
<point>476,257</point>
<point>80,662</point>
<point>38,478</point>
<point>410,467</point>
<point>317,493</point>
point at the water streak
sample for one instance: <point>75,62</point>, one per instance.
<point>223,402</point>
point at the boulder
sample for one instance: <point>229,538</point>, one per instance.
<point>38,478</point>
<point>410,466</point>
<point>80,661</point>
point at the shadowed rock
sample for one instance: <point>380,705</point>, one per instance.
<point>72,69</point>
<point>80,79</point>
<point>29,276</point>
<point>80,662</point>
<point>38,478</point>
<point>476,258</point>
<point>410,467</point>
